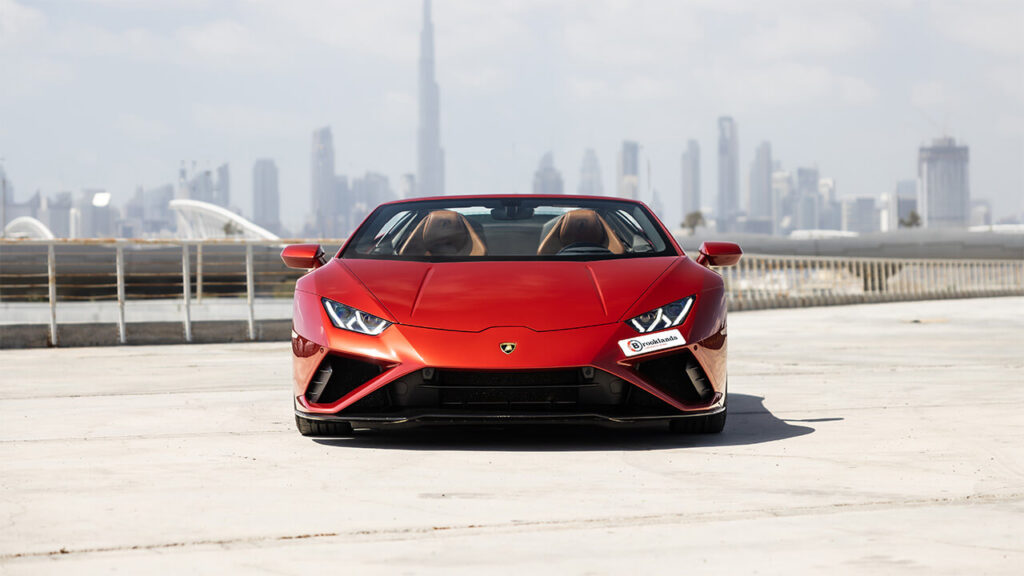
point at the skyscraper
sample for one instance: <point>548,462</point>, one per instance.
<point>899,204</point>
<point>590,175</point>
<point>92,216</point>
<point>808,199</point>
<point>830,209</point>
<point>628,183</point>
<point>691,178</point>
<point>366,193</point>
<point>407,186</point>
<point>6,192</point>
<point>728,175</point>
<point>266,202</point>
<point>55,212</point>
<point>430,155</point>
<point>760,200</point>
<point>547,179</point>
<point>9,209</point>
<point>222,189</point>
<point>859,215</point>
<point>325,186</point>
<point>200,185</point>
<point>784,196</point>
<point>945,195</point>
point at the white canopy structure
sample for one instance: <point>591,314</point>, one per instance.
<point>27,227</point>
<point>202,220</point>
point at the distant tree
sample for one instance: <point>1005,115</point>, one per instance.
<point>230,229</point>
<point>913,220</point>
<point>693,220</point>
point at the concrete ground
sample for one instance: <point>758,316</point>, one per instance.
<point>885,437</point>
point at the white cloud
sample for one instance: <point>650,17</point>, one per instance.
<point>623,35</point>
<point>18,23</point>
<point>790,84</point>
<point>931,96</point>
<point>814,33</point>
<point>242,121</point>
<point>371,29</point>
<point>224,42</point>
<point>996,26</point>
<point>141,128</point>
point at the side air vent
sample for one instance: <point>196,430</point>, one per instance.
<point>337,376</point>
<point>680,376</point>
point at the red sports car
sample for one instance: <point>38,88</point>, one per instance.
<point>499,309</point>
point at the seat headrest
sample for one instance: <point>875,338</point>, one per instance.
<point>444,232</point>
<point>581,226</point>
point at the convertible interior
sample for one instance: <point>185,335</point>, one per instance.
<point>477,232</point>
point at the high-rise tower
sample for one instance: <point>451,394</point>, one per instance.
<point>547,179</point>
<point>266,203</point>
<point>728,175</point>
<point>691,178</point>
<point>629,171</point>
<point>944,195</point>
<point>759,203</point>
<point>325,186</point>
<point>590,175</point>
<point>430,155</point>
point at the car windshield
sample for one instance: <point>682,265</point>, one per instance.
<point>509,229</point>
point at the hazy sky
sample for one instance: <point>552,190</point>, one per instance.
<point>115,93</point>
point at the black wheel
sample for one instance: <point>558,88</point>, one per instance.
<point>308,427</point>
<point>712,424</point>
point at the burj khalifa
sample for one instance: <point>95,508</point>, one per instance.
<point>430,155</point>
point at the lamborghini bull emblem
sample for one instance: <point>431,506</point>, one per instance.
<point>507,347</point>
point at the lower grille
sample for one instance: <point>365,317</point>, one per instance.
<point>505,397</point>
<point>544,389</point>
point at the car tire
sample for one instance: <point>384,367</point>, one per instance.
<point>712,424</point>
<point>308,427</point>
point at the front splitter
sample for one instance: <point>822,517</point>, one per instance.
<point>434,417</point>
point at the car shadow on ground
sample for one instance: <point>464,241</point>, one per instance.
<point>749,422</point>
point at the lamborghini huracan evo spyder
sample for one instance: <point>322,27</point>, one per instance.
<point>499,309</point>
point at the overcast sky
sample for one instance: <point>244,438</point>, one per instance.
<point>115,93</point>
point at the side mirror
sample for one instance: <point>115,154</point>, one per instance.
<point>719,254</point>
<point>303,256</point>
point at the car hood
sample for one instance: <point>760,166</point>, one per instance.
<point>474,296</point>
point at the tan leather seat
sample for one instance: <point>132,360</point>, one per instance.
<point>443,233</point>
<point>580,225</point>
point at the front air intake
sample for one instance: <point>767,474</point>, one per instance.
<point>337,376</point>
<point>680,376</point>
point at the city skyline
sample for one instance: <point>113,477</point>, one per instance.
<point>861,126</point>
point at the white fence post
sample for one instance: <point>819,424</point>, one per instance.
<point>51,273</point>
<point>121,332</point>
<point>249,290</point>
<point>199,273</point>
<point>186,290</point>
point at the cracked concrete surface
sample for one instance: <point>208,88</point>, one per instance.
<point>858,440</point>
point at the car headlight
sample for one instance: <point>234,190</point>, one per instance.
<point>667,316</point>
<point>348,318</point>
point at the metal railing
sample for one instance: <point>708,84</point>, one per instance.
<point>123,270</point>
<point>766,281</point>
<point>51,272</point>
